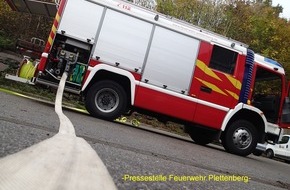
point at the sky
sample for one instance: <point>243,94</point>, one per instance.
<point>286,7</point>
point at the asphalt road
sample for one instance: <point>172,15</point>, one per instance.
<point>140,159</point>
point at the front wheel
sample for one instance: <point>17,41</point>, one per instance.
<point>241,138</point>
<point>269,153</point>
<point>106,100</point>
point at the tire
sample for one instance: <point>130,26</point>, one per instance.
<point>269,153</point>
<point>241,138</point>
<point>106,100</point>
<point>223,139</point>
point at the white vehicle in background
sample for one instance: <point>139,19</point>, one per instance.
<point>280,150</point>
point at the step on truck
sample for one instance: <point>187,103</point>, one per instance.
<point>123,58</point>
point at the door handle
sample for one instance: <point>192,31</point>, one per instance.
<point>206,89</point>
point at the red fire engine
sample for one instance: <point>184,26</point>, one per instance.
<point>123,57</point>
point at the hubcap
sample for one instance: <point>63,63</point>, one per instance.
<point>242,138</point>
<point>107,100</point>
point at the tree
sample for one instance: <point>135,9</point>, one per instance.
<point>258,24</point>
<point>208,14</point>
<point>16,25</point>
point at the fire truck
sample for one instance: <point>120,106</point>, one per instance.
<point>125,58</point>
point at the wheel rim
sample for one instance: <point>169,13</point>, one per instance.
<point>242,138</point>
<point>107,100</point>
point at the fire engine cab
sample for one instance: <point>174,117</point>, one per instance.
<point>123,57</point>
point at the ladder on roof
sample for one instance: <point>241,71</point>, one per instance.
<point>150,4</point>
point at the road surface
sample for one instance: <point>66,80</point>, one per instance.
<point>140,159</point>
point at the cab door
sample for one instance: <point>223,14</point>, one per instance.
<point>215,84</point>
<point>267,93</point>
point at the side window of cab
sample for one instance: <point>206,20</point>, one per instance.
<point>223,60</point>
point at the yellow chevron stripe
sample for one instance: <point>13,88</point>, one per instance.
<point>57,17</point>
<point>233,94</point>
<point>50,40</point>
<point>207,70</point>
<point>53,29</point>
<point>235,82</point>
<point>212,86</point>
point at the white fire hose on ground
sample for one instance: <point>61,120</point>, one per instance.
<point>63,161</point>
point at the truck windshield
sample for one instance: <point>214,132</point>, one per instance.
<point>267,93</point>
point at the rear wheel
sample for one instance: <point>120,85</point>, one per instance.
<point>106,100</point>
<point>240,138</point>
